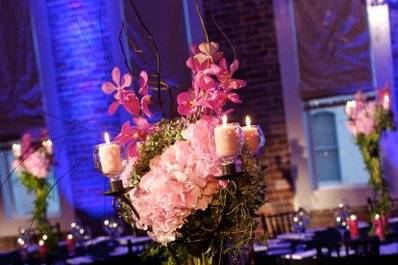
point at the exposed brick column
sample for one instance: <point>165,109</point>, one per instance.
<point>250,26</point>
<point>82,62</point>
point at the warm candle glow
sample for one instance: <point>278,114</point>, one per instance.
<point>248,121</point>
<point>353,217</point>
<point>21,241</point>
<point>107,138</point>
<point>41,243</point>
<point>70,236</point>
<point>44,237</point>
<point>48,145</point>
<point>377,216</point>
<point>16,150</point>
<point>224,120</point>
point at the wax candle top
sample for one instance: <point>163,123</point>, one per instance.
<point>107,138</point>
<point>224,120</point>
<point>248,121</point>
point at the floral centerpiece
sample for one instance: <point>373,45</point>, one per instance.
<point>33,162</point>
<point>368,121</point>
<point>179,192</point>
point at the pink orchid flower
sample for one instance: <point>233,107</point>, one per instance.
<point>144,90</point>
<point>225,77</point>
<point>127,98</point>
<point>132,135</point>
<point>124,97</point>
<point>208,52</point>
<point>186,105</point>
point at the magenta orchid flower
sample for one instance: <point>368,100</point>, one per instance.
<point>186,105</point>
<point>225,77</point>
<point>125,97</point>
<point>130,136</point>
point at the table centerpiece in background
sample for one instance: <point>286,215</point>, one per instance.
<point>368,121</point>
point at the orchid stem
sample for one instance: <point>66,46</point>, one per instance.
<point>202,21</point>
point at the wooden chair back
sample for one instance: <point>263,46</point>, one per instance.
<point>277,224</point>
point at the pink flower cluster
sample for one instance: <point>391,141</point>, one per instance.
<point>138,108</point>
<point>33,158</point>
<point>180,181</point>
<point>362,113</point>
<point>212,85</point>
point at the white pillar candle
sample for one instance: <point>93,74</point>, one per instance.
<point>109,155</point>
<point>227,139</point>
<point>251,136</point>
<point>16,150</point>
<point>386,102</point>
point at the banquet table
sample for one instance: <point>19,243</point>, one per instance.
<point>300,248</point>
<point>99,250</point>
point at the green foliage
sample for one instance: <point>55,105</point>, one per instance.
<point>369,146</point>
<point>41,188</point>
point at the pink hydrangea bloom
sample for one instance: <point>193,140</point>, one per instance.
<point>361,115</point>
<point>180,181</point>
<point>37,164</point>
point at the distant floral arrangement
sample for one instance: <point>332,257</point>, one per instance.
<point>368,120</point>
<point>33,156</point>
<point>33,163</point>
<point>174,165</point>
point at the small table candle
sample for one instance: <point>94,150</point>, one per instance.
<point>109,155</point>
<point>251,136</point>
<point>379,224</point>
<point>70,244</point>
<point>228,140</point>
<point>352,223</point>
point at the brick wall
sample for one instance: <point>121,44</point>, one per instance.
<point>249,24</point>
<point>81,65</point>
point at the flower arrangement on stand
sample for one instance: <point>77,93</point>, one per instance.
<point>368,121</point>
<point>33,162</point>
<point>181,182</point>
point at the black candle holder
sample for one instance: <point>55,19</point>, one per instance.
<point>118,191</point>
<point>229,172</point>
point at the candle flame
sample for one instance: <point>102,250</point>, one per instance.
<point>224,120</point>
<point>248,121</point>
<point>16,150</point>
<point>106,137</point>
<point>70,236</point>
<point>41,243</point>
<point>353,217</point>
<point>377,216</point>
<point>386,98</point>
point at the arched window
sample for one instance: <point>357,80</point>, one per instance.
<point>325,146</point>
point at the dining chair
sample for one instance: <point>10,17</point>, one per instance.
<point>347,252</point>
<point>277,224</point>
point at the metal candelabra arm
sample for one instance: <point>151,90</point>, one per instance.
<point>118,191</point>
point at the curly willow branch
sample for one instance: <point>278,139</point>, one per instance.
<point>157,54</point>
<point>202,21</point>
<point>223,33</point>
